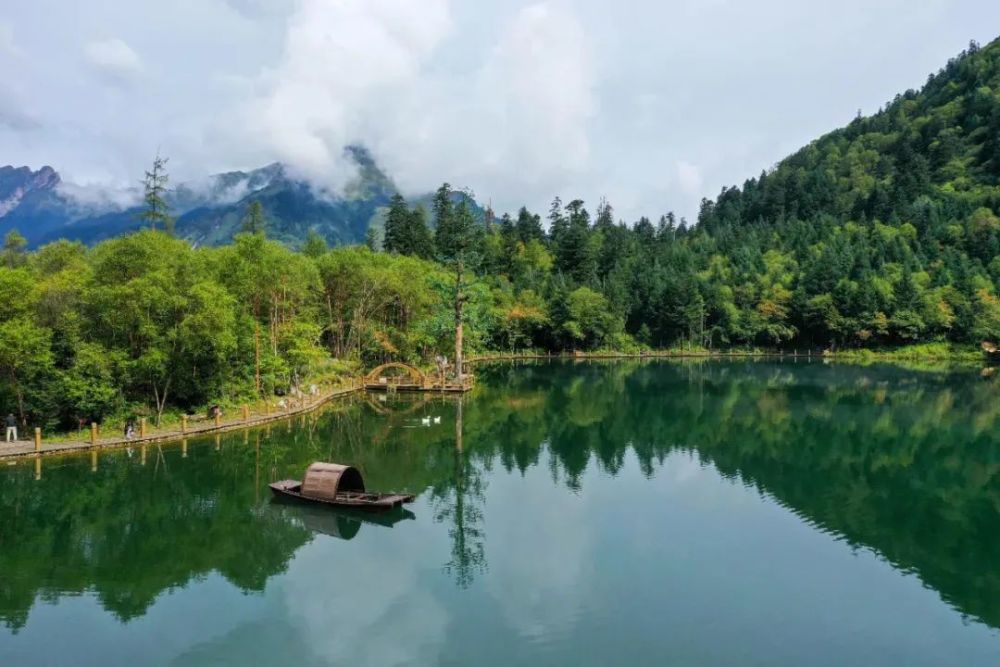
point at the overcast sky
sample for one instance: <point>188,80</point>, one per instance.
<point>653,104</point>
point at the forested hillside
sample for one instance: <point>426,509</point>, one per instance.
<point>888,226</point>
<point>883,233</point>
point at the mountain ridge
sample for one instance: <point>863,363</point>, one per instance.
<point>209,211</point>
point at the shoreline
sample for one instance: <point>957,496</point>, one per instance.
<point>970,356</point>
<point>26,449</point>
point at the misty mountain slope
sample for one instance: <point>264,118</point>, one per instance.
<point>208,212</point>
<point>18,184</point>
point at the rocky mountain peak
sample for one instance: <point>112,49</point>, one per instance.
<point>16,182</point>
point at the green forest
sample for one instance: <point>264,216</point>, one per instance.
<point>880,234</point>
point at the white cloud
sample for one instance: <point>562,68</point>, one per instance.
<point>527,122</point>
<point>8,47</point>
<point>100,196</point>
<point>12,114</point>
<point>343,63</point>
<point>515,119</point>
<point>114,58</point>
<point>541,593</point>
<point>652,104</point>
<point>689,178</point>
<point>260,8</point>
<point>383,613</point>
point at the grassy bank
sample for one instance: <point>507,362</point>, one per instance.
<point>948,352</point>
<point>927,352</point>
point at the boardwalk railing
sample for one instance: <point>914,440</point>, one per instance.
<point>189,426</point>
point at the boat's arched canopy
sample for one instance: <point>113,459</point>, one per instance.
<point>326,480</point>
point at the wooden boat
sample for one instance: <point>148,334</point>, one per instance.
<point>339,486</point>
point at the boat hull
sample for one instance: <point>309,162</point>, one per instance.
<point>367,502</point>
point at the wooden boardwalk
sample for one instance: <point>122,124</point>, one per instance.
<point>26,448</point>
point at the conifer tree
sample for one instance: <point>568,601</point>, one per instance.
<point>529,226</point>
<point>156,211</point>
<point>419,234</point>
<point>397,227</point>
<point>447,231</point>
<point>254,221</point>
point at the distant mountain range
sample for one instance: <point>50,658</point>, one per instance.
<point>42,208</point>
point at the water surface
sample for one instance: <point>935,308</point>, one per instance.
<point>749,513</point>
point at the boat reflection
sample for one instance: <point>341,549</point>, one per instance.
<point>343,524</point>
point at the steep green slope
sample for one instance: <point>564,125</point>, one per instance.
<point>939,148</point>
<point>887,229</point>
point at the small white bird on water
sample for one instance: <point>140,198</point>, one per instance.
<point>437,420</point>
<point>426,421</point>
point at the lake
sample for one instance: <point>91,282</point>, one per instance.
<point>657,513</point>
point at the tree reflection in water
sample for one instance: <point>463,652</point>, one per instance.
<point>459,503</point>
<point>901,462</point>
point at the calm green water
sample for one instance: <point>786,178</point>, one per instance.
<point>626,513</point>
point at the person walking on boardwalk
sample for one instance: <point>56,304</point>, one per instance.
<point>11,427</point>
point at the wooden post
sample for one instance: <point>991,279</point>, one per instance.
<point>184,423</point>
<point>184,448</point>
<point>93,460</point>
<point>246,413</point>
<point>458,426</point>
<point>93,434</point>
<point>142,427</point>
<point>38,468</point>
<point>38,440</point>
<point>256,347</point>
<point>142,455</point>
<point>218,418</point>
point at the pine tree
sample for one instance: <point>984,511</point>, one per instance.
<point>575,256</point>
<point>508,232</point>
<point>605,215</point>
<point>453,237</point>
<point>557,224</point>
<point>453,240</point>
<point>156,211</point>
<point>529,226</point>
<point>419,234</point>
<point>397,227</point>
<point>254,222</point>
